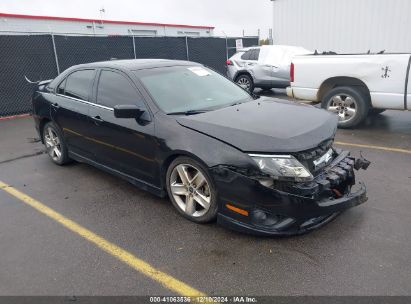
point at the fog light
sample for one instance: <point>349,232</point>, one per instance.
<point>259,216</point>
<point>262,218</point>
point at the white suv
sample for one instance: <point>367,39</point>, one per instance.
<point>263,67</point>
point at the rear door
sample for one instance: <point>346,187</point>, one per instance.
<point>70,110</point>
<point>123,144</point>
<point>263,74</point>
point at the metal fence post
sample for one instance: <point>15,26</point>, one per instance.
<point>226,47</point>
<point>55,54</point>
<point>134,48</point>
<point>187,52</point>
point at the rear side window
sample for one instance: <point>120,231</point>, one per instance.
<point>255,54</point>
<point>251,54</point>
<point>115,89</point>
<point>61,87</point>
<point>246,55</point>
<point>77,84</point>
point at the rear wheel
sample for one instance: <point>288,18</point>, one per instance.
<point>55,144</point>
<point>351,104</point>
<point>246,82</point>
<point>191,190</point>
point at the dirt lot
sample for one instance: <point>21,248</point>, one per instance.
<point>365,251</point>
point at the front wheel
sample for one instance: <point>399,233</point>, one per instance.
<point>191,190</point>
<point>55,144</point>
<point>351,104</point>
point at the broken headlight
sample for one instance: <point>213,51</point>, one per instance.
<point>282,167</point>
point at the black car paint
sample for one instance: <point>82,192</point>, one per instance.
<point>265,126</point>
<point>140,151</point>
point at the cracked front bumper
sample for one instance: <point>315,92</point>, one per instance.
<point>269,211</point>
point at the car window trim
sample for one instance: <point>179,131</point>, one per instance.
<point>86,102</point>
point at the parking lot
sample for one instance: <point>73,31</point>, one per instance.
<point>89,233</point>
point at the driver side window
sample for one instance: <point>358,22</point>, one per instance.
<point>115,89</point>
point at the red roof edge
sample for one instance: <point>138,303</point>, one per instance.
<point>104,21</point>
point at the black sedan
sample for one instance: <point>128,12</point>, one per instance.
<point>180,129</point>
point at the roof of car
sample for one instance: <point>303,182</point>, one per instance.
<point>125,65</point>
<point>136,64</point>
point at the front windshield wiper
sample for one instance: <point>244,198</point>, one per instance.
<point>239,102</point>
<point>188,112</point>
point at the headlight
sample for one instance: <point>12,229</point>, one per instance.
<point>282,167</point>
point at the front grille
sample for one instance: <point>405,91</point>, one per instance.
<point>308,157</point>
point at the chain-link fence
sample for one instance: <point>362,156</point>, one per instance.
<point>40,57</point>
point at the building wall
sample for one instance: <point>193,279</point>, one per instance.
<point>344,26</point>
<point>10,24</point>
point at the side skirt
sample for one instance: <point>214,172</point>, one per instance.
<point>136,182</point>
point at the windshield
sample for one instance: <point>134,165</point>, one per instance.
<point>190,88</point>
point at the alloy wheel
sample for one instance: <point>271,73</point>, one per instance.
<point>344,106</point>
<point>190,190</point>
<point>53,144</point>
<point>244,83</point>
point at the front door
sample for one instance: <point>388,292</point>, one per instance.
<point>123,144</point>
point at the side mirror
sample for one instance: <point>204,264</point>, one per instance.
<point>128,111</point>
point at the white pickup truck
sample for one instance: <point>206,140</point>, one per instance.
<point>353,86</point>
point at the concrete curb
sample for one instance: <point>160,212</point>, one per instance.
<point>15,116</point>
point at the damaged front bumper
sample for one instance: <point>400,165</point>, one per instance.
<point>248,206</point>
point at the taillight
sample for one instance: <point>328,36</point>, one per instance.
<point>292,72</point>
<point>229,62</point>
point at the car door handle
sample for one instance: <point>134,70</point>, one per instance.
<point>55,105</point>
<point>97,119</point>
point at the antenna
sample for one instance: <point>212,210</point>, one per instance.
<point>102,12</point>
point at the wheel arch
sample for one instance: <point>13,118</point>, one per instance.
<point>171,157</point>
<point>241,73</point>
<point>43,122</point>
<point>340,81</point>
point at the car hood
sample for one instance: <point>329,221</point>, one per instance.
<point>266,125</point>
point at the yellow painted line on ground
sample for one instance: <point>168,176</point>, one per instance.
<point>124,256</point>
<point>374,147</point>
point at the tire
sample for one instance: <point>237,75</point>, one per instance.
<point>202,200</point>
<point>352,105</point>
<point>375,111</point>
<point>55,144</point>
<point>246,82</point>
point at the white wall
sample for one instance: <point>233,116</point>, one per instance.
<point>344,25</point>
<point>75,27</point>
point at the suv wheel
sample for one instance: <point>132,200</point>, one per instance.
<point>246,82</point>
<point>191,190</point>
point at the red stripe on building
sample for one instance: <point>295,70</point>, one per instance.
<point>4,15</point>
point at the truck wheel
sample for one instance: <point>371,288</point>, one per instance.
<point>246,82</point>
<point>351,104</point>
